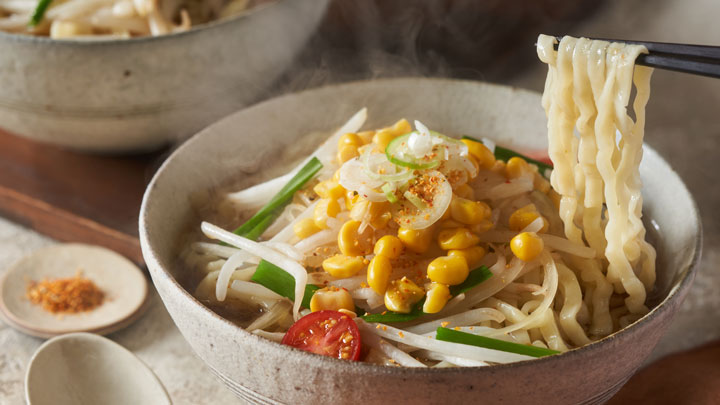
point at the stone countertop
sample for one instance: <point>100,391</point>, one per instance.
<point>683,125</point>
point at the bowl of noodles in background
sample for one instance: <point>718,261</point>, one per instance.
<point>147,80</point>
<point>286,129</point>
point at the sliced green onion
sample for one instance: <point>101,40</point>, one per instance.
<point>396,152</point>
<point>415,200</point>
<point>455,336</point>
<point>281,282</point>
<point>505,154</point>
<point>389,192</point>
<point>259,223</point>
<point>39,12</point>
<point>475,277</point>
<point>254,234</point>
<point>393,317</point>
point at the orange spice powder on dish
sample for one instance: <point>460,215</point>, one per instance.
<point>65,295</point>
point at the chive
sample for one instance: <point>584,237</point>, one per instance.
<point>259,222</point>
<point>279,281</point>
<point>39,12</point>
<point>254,234</point>
<point>389,193</point>
<point>392,317</point>
<point>456,336</point>
<point>475,277</point>
<point>505,154</point>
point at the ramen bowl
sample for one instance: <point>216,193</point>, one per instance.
<point>250,142</point>
<point>131,95</point>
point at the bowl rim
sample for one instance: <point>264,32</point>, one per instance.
<point>686,276</point>
<point>194,30</point>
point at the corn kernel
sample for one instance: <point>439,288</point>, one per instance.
<point>417,240</point>
<point>377,213</point>
<point>389,246</point>
<point>481,153</point>
<point>449,224</point>
<point>482,227</point>
<point>469,212</point>
<point>402,294</point>
<point>383,137</point>
<point>451,270</point>
<point>353,243</point>
<point>437,296</point>
<point>473,255</point>
<point>540,183</point>
<point>527,246</point>
<point>350,139</point>
<point>331,298</point>
<point>329,189</point>
<point>366,136</point>
<point>465,191</point>
<point>305,227</point>
<point>516,167</point>
<point>342,266</point>
<point>325,208</point>
<point>347,152</point>
<point>402,127</point>
<point>336,176</point>
<point>524,216</point>
<point>499,167</point>
<point>378,274</point>
<point>457,238</point>
<point>351,198</point>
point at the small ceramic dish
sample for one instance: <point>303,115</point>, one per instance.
<point>123,283</point>
<point>249,143</point>
<point>87,369</point>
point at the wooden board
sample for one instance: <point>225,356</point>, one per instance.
<point>75,197</point>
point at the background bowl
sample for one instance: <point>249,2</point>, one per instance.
<point>137,94</point>
<point>266,372</point>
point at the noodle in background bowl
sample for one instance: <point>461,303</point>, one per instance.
<point>253,140</point>
<point>131,95</point>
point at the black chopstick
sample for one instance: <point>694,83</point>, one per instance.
<point>701,60</point>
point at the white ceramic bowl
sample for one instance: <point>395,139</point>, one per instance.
<point>266,372</point>
<point>137,94</point>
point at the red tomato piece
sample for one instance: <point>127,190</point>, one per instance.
<point>330,333</point>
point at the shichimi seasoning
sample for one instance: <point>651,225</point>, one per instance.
<point>65,295</point>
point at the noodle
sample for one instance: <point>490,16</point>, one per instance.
<point>588,88</point>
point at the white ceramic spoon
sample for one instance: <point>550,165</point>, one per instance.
<point>84,368</point>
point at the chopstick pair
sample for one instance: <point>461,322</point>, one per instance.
<point>700,60</point>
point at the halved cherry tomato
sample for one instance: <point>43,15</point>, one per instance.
<point>330,333</point>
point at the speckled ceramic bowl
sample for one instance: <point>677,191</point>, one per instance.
<point>137,94</point>
<point>265,372</point>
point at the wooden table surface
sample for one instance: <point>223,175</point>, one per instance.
<point>74,197</point>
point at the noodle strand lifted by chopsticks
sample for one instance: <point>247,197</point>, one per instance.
<point>588,89</point>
